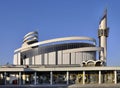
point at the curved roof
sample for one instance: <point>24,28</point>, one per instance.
<point>31,36</point>
<point>57,40</point>
<point>64,46</point>
<point>84,49</point>
<point>30,33</point>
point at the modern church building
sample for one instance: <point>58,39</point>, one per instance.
<point>68,60</point>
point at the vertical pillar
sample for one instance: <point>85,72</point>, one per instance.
<point>115,77</point>
<point>35,80</point>
<point>23,77</point>
<point>51,78</point>
<point>84,77</point>
<point>19,78</point>
<point>67,77</point>
<point>99,77</point>
<point>5,78</point>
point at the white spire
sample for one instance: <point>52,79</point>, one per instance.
<point>103,34</point>
<point>103,21</point>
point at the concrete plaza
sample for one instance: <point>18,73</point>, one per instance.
<point>63,86</point>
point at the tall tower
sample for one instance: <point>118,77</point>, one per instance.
<point>103,34</point>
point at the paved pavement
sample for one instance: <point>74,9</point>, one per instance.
<point>63,86</point>
<point>95,86</point>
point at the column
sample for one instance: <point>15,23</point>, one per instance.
<point>115,77</point>
<point>5,77</point>
<point>99,77</point>
<point>84,77</point>
<point>67,77</point>
<point>51,78</point>
<point>35,80</point>
<point>23,77</point>
<point>19,78</point>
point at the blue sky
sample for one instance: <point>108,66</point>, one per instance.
<point>54,19</point>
